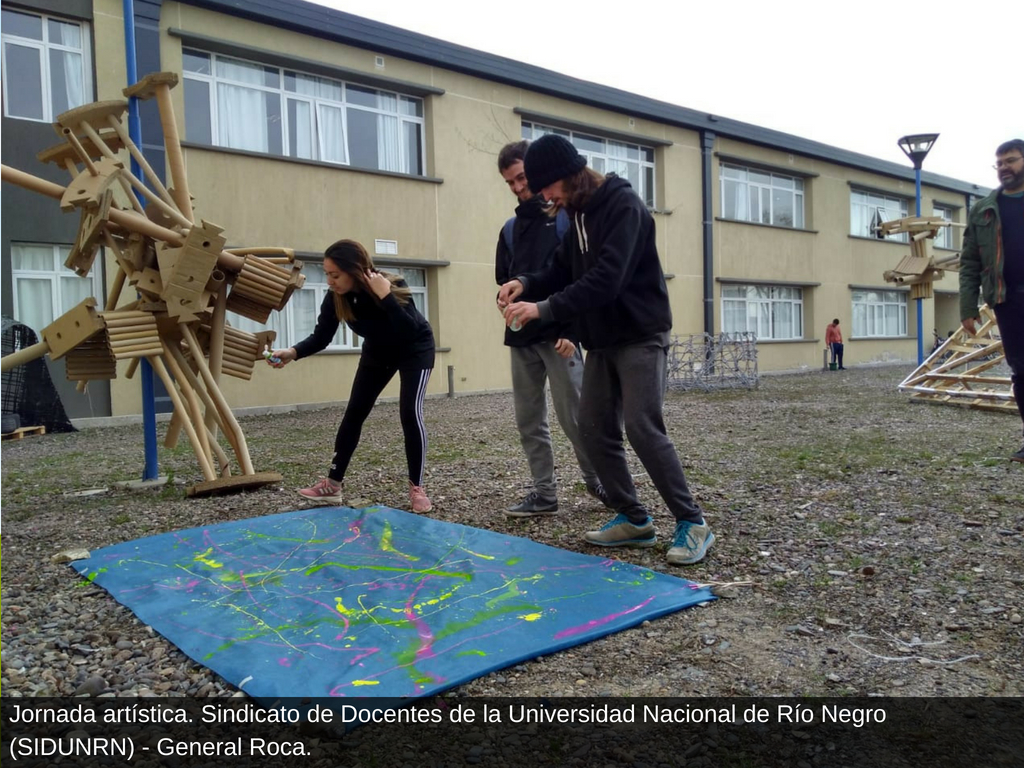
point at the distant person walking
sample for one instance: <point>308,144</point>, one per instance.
<point>992,261</point>
<point>834,341</point>
<point>396,339</point>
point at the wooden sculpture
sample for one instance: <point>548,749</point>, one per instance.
<point>920,269</point>
<point>959,371</point>
<point>184,279</point>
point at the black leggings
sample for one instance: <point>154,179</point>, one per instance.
<point>371,378</point>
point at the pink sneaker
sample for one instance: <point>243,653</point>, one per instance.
<point>418,499</point>
<point>325,491</point>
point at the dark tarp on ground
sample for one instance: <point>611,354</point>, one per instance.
<point>27,389</point>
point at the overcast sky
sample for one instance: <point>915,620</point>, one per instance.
<point>854,75</point>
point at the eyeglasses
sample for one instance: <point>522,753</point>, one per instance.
<point>1007,163</point>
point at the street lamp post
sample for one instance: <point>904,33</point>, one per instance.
<point>916,147</point>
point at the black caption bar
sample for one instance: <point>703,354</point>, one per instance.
<point>453,731</point>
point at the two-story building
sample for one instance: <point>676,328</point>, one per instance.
<point>302,125</point>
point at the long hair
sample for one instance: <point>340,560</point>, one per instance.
<point>580,187</point>
<point>350,257</point>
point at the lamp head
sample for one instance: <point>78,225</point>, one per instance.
<point>917,146</point>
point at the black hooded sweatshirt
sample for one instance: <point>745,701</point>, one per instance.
<point>534,239</point>
<point>607,273</point>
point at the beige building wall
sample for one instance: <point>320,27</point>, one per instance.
<point>452,216</point>
<point>825,259</point>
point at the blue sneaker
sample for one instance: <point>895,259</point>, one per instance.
<point>690,543</point>
<point>620,532</point>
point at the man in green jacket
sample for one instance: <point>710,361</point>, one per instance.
<point>992,260</point>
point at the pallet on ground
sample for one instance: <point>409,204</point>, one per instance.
<point>21,432</point>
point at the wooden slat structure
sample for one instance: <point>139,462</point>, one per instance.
<point>920,269</point>
<point>178,265</point>
<point>960,371</point>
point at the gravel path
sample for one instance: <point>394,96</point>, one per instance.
<point>883,540</point>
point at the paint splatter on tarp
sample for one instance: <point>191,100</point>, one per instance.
<point>371,602</point>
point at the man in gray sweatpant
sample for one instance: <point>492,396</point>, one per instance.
<point>543,352</point>
<point>607,277</point>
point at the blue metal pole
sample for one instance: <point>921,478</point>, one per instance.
<point>151,471</point>
<point>920,302</point>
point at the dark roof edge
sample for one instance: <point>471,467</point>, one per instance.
<point>320,21</point>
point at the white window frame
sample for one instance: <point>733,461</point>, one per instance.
<point>420,296</point>
<point>946,237</point>
<point>760,309</point>
<point>317,104</point>
<point>55,276</point>
<point>284,322</point>
<point>607,162</point>
<point>869,209</point>
<point>879,314</point>
<point>44,47</point>
<point>765,192</point>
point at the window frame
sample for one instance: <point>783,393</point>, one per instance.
<point>415,290</point>
<point>903,203</point>
<point>860,326</point>
<point>645,160</point>
<point>317,103</point>
<point>947,235</point>
<point>772,301</point>
<point>59,252</point>
<point>798,192</point>
<point>43,47</point>
<point>284,322</point>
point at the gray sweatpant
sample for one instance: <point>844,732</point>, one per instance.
<point>627,384</point>
<point>531,367</point>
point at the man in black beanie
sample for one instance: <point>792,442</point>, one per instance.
<point>607,277</point>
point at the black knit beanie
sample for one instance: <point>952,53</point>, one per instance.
<point>549,159</point>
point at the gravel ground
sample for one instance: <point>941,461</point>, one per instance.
<point>879,541</point>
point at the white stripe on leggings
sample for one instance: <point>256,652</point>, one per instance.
<point>421,392</point>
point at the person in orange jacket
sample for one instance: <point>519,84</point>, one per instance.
<point>834,341</point>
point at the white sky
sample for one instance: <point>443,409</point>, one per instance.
<point>853,75</point>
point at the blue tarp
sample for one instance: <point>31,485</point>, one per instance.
<point>346,602</point>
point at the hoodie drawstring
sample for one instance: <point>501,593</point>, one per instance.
<point>581,232</point>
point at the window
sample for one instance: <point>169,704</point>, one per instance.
<point>769,311</point>
<point>244,105</point>
<point>868,210</point>
<point>298,318</point>
<point>416,279</point>
<point>46,68</point>
<point>945,237</point>
<point>630,161</point>
<point>879,314</point>
<point>749,194</point>
<point>44,289</point>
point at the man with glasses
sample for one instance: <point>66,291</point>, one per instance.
<point>992,259</point>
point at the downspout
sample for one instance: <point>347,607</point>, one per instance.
<point>707,144</point>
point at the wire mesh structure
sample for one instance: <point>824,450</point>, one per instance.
<point>27,390</point>
<point>705,362</point>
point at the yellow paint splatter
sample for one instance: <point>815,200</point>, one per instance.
<point>478,554</point>
<point>207,560</point>
<point>365,682</point>
<point>531,616</point>
<point>386,545</point>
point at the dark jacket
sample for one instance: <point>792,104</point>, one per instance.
<point>393,334</point>
<point>982,258</point>
<point>607,273</point>
<point>535,239</point>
